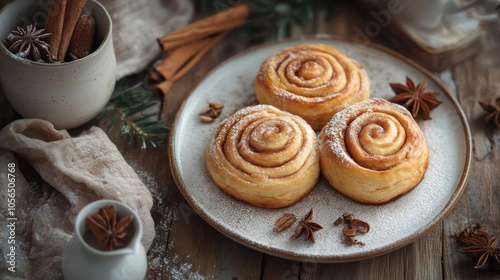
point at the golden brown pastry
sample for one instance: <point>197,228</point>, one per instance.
<point>311,81</point>
<point>373,152</point>
<point>264,156</point>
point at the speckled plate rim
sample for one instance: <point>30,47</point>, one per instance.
<point>333,259</point>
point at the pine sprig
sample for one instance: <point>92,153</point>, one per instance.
<point>271,19</point>
<point>136,111</point>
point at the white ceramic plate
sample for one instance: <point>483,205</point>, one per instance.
<point>392,225</point>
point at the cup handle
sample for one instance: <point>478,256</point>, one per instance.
<point>453,7</point>
<point>493,11</point>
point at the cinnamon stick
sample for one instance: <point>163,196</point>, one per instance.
<point>180,65</point>
<point>220,22</point>
<point>196,33</point>
<point>71,15</point>
<point>198,56</point>
<point>82,39</point>
<point>168,67</point>
<point>54,25</point>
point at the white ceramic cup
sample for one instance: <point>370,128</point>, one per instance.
<point>422,13</point>
<point>429,14</point>
<point>67,94</point>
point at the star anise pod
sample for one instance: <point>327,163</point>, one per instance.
<point>484,250</point>
<point>308,227</point>
<point>109,233</point>
<point>492,111</point>
<point>471,231</point>
<point>30,43</point>
<point>416,99</point>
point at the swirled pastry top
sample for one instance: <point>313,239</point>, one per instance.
<point>373,151</point>
<point>313,81</point>
<point>264,156</point>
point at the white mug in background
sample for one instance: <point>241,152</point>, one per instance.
<point>429,14</point>
<point>426,14</point>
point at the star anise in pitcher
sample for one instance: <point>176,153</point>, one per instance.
<point>30,43</point>
<point>109,233</point>
<point>307,227</point>
<point>416,99</point>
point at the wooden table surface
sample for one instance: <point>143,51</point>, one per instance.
<point>186,247</point>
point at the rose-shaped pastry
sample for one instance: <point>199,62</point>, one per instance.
<point>373,152</point>
<point>264,156</point>
<point>311,81</point>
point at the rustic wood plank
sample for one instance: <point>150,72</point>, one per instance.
<point>477,79</point>
<point>418,260</point>
<point>192,242</point>
<point>279,268</point>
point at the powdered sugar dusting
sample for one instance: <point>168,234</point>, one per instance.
<point>161,262</point>
<point>392,225</point>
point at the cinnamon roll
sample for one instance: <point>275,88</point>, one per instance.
<point>264,156</point>
<point>373,152</point>
<point>311,81</point>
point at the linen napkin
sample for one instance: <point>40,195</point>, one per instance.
<point>77,171</point>
<point>136,26</point>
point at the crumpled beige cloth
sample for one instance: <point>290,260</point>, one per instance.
<point>136,26</point>
<point>77,171</point>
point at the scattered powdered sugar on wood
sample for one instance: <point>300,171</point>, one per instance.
<point>158,259</point>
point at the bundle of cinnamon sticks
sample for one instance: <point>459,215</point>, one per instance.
<point>189,44</point>
<point>61,22</point>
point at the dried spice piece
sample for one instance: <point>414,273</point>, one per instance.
<point>205,119</point>
<point>349,232</point>
<point>479,247</point>
<point>416,99</point>
<point>354,226</point>
<point>308,227</point>
<point>338,221</point>
<point>492,112</point>
<point>207,115</point>
<point>352,241</point>
<point>284,222</point>
<point>109,233</point>
<point>360,226</point>
<point>30,43</point>
<point>348,218</point>
<point>216,106</point>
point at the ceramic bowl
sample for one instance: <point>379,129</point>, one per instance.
<point>67,94</point>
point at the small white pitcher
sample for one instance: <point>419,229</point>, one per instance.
<point>81,261</point>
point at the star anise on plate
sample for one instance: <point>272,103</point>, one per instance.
<point>478,246</point>
<point>307,227</point>
<point>30,43</point>
<point>416,99</point>
<point>492,111</point>
<point>109,233</point>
